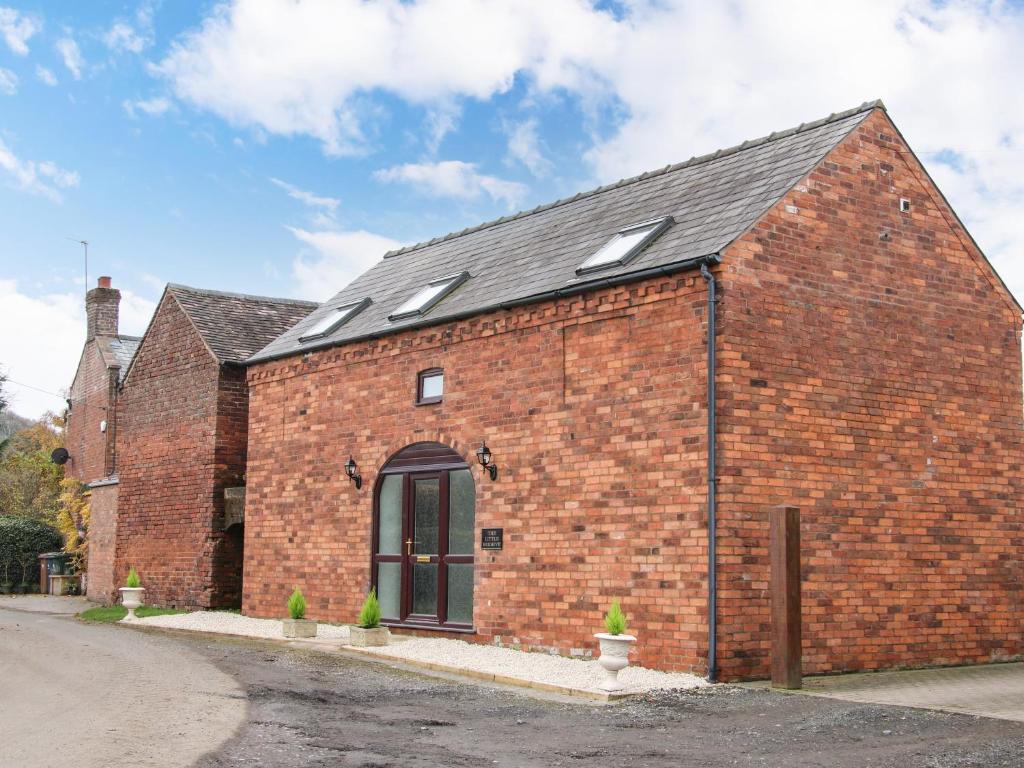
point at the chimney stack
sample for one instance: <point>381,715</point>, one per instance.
<point>101,309</point>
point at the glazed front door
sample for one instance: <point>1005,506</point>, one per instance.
<point>423,548</point>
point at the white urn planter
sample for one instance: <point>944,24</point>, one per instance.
<point>131,598</point>
<point>614,658</point>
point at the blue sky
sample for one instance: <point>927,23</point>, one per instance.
<point>280,147</point>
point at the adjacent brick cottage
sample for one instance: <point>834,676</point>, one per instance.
<point>91,432</point>
<point>868,371</point>
<point>182,442</point>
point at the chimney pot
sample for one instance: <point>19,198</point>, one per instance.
<point>103,282</point>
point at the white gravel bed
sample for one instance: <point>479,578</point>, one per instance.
<point>488,659</point>
<point>536,667</point>
<point>227,623</point>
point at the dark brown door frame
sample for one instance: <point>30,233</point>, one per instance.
<point>407,558</point>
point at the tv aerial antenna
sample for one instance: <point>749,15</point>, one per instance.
<point>85,245</point>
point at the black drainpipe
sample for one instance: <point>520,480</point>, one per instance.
<point>712,471</point>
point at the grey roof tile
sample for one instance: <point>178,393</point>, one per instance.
<point>123,349</point>
<point>236,325</point>
<point>713,200</point>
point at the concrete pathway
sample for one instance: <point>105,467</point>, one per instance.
<point>64,604</point>
<point>94,695</point>
<point>991,690</point>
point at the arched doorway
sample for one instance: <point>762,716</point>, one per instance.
<point>423,537</point>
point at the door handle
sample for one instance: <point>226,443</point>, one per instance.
<point>408,547</point>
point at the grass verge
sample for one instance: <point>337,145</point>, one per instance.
<point>109,614</point>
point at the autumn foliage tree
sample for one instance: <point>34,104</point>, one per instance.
<point>30,484</point>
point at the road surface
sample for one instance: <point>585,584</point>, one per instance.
<point>98,695</point>
<point>85,695</point>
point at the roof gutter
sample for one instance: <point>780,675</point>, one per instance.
<point>568,290</point>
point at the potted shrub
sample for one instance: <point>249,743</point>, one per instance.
<point>298,625</point>
<point>132,593</point>
<point>369,632</point>
<point>615,645</point>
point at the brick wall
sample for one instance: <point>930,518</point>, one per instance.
<point>101,309</point>
<point>170,468</point>
<point>101,584</point>
<point>870,374</point>
<point>594,409</point>
<point>93,400</point>
<point>229,472</point>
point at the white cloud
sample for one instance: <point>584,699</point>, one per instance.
<point>154,107</point>
<point>58,175</point>
<point>132,36</point>
<point>41,178</point>
<point>8,82</point>
<point>657,81</point>
<point>47,357</point>
<point>122,37</point>
<point>327,204</point>
<point>524,146</point>
<point>45,76</point>
<point>17,28</point>
<point>336,258</point>
<point>245,62</point>
<point>72,56</point>
<point>440,121</point>
<point>453,178</point>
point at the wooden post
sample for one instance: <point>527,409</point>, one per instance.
<point>784,548</point>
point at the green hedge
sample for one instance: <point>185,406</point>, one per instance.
<point>22,540</point>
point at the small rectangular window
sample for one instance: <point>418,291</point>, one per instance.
<point>625,245</point>
<point>333,320</point>
<point>429,295</point>
<point>430,386</point>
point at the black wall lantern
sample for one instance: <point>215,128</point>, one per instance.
<point>353,475</point>
<point>483,455</point>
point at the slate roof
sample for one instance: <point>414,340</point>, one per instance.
<point>123,349</point>
<point>713,200</point>
<point>234,325</point>
<point>118,352</point>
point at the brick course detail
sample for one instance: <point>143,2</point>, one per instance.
<point>869,374</point>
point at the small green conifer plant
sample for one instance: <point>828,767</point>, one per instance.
<point>133,579</point>
<point>297,605</point>
<point>369,616</point>
<point>615,619</point>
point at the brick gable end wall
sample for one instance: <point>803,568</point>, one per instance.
<point>171,474</point>
<point>871,375</point>
<point>93,400</point>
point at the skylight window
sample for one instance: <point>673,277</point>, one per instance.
<point>429,295</point>
<point>333,320</point>
<point>625,246</point>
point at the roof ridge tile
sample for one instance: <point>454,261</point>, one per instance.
<point>694,160</point>
<point>174,287</point>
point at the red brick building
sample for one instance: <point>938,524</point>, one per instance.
<point>868,371</point>
<point>91,433</point>
<point>182,442</point>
